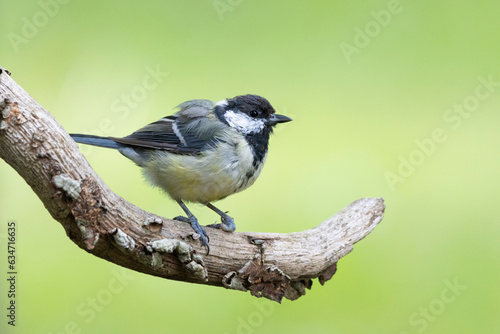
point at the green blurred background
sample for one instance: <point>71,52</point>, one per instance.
<point>388,99</point>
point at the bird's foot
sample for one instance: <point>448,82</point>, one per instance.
<point>182,219</point>
<point>227,224</point>
<point>197,228</point>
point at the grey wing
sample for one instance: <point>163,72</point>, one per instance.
<point>178,133</point>
<point>194,108</point>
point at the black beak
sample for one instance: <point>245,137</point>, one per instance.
<point>275,119</point>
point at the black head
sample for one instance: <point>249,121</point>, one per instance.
<point>249,114</point>
<point>253,116</point>
<point>254,106</point>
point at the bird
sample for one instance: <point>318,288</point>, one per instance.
<point>203,153</point>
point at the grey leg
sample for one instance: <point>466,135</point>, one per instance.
<point>194,224</point>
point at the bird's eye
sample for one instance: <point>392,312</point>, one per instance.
<point>254,113</point>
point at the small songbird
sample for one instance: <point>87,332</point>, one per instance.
<point>203,153</point>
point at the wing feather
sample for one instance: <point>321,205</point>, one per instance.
<point>177,133</point>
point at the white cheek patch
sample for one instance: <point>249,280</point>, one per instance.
<point>244,123</point>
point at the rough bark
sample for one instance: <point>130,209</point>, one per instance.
<point>270,265</point>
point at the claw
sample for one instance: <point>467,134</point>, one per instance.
<point>215,225</point>
<point>204,239</point>
<point>182,219</point>
<point>227,225</point>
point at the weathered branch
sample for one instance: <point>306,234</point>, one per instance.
<point>272,265</point>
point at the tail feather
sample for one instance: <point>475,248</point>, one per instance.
<point>95,141</point>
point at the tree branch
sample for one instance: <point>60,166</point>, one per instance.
<point>271,265</point>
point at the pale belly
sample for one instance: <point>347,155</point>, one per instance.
<point>206,177</point>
